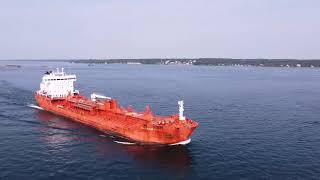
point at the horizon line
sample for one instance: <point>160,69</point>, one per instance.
<point>70,59</point>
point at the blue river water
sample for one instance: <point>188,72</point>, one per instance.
<point>254,123</point>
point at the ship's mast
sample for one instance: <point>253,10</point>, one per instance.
<point>181,109</point>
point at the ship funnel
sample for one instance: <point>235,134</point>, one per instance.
<point>181,109</point>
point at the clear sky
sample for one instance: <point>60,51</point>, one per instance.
<point>59,29</point>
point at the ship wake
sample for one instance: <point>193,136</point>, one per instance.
<point>124,142</point>
<point>175,144</point>
<point>35,106</point>
<point>182,142</point>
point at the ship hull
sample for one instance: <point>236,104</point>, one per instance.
<point>128,127</point>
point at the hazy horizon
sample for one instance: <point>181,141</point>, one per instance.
<point>97,29</point>
<point>178,58</point>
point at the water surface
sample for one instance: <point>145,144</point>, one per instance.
<point>255,123</point>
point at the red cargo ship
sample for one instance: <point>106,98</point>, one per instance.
<point>57,95</point>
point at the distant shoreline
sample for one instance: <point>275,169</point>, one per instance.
<point>209,62</point>
<point>310,63</point>
<point>10,66</point>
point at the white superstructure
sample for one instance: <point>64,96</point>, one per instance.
<point>57,84</point>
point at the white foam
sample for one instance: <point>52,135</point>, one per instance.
<point>182,142</point>
<point>126,143</point>
<point>178,143</point>
<point>35,106</point>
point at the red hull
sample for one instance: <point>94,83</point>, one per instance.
<point>108,117</point>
